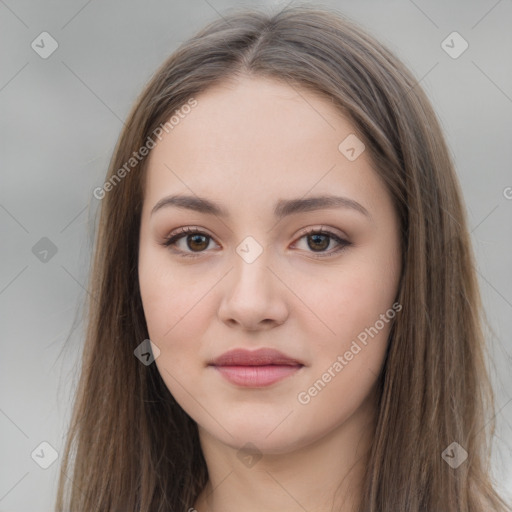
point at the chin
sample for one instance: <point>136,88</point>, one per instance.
<point>262,437</point>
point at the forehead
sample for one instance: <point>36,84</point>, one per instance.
<point>254,138</point>
<point>259,116</point>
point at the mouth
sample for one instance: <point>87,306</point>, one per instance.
<point>258,368</point>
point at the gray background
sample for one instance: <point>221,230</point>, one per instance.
<point>61,116</point>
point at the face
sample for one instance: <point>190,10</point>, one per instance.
<point>266,266</point>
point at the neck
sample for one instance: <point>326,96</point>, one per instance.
<point>326,474</point>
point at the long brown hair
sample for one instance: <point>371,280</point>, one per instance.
<point>131,447</point>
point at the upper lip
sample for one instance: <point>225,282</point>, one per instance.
<point>260,357</point>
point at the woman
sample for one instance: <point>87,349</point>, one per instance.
<point>286,314</point>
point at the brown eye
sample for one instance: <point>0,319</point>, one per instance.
<point>196,241</point>
<point>318,241</point>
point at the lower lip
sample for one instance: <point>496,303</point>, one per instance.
<point>256,376</point>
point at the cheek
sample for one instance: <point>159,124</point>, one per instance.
<point>176,324</point>
<point>177,310</point>
<point>346,364</point>
<point>352,318</point>
<point>351,298</point>
<point>170,298</point>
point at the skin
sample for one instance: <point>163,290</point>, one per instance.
<point>248,143</point>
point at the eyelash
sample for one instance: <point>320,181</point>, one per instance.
<point>173,238</point>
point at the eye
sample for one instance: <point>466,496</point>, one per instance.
<point>197,241</point>
<point>321,239</point>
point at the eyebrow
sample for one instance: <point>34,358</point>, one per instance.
<point>283,207</point>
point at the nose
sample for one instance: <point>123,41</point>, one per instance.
<point>254,297</point>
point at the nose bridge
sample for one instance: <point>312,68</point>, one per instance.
<point>251,264</point>
<point>252,295</point>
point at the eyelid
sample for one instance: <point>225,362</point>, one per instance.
<point>323,228</point>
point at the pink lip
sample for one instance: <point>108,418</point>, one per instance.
<point>256,368</point>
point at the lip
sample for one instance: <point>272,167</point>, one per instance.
<point>255,368</point>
